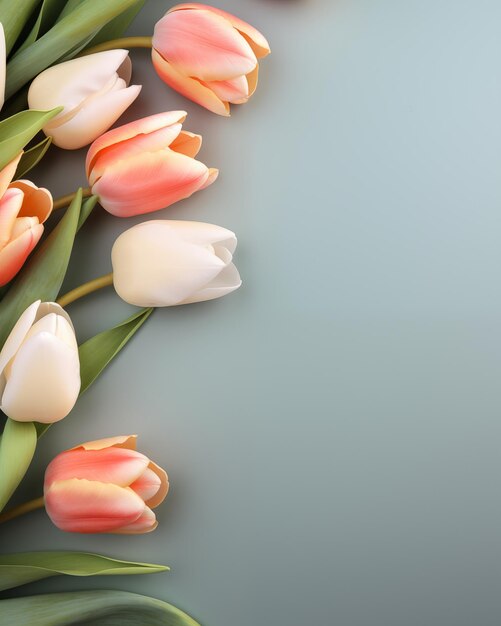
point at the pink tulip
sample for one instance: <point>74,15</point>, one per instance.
<point>208,55</point>
<point>104,486</point>
<point>147,165</point>
<point>24,207</point>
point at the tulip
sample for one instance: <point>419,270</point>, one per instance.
<point>165,263</point>
<point>208,55</point>
<point>146,165</point>
<point>93,91</point>
<point>23,209</point>
<point>3,58</point>
<point>39,366</point>
<point>104,486</point>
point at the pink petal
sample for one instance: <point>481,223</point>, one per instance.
<point>159,497</point>
<point>7,174</point>
<point>188,87</point>
<point>144,126</point>
<point>203,44</point>
<point>84,506</point>
<point>148,182</point>
<point>110,465</point>
<point>147,485</point>
<point>37,201</point>
<point>211,178</point>
<point>234,90</point>
<point>15,253</point>
<point>256,40</point>
<point>144,524</point>
<point>187,143</point>
<point>10,205</point>
<point>122,441</point>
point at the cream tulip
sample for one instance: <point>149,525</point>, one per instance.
<point>93,91</point>
<point>39,366</point>
<point>166,263</point>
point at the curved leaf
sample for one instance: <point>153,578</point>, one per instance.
<point>26,567</point>
<point>99,608</point>
<point>14,15</point>
<point>17,447</point>
<point>32,157</point>
<point>47,15</point>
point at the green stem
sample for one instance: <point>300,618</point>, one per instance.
<point>85,289</point>
<point>27,507</point>
<point>124,42</point>
<point>60,203</point>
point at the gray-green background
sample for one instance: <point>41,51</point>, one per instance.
<point>331,430</point>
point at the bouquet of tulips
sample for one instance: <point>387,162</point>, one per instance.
<point>65,72</point>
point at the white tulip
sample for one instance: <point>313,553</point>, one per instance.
<point>93,90</point>
<point>2,65</point>
<point>39,366</point>
<point>167,262</point>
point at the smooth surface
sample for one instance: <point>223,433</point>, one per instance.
<point>331,430</point>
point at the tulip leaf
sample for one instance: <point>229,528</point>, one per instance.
<point>26,567</point>
<point>32,157</point>
<point>17,447</point>
<point>14,14</point>
<point>86,210</point>
<point>47,15</point>
<point>85,20</point>
<point>117,27</point>
<point>99,608</point>
<point>18,130</point>
<point>43,274</point>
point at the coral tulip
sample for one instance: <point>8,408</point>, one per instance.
<point>208,55</point>
<point>146,165</point>
<point>167,262</point>
<point>23,209</point>
<point>104,486</point>
<point>94,92</point>
<point>39,366</point>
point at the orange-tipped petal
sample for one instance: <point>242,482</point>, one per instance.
<point>252,80</point>
<point>234,90</point>
<point>203,44</point>
<point>147,485</point>
<point>256,40</point>
<point>122,441</point>
<point>187,143</point>
<point>84,506</point>
<point>144,524</point>
<point>37,201</point>
<point>10,205</point>
<point>15,253</point>
<point>163,490</point>
<point>144,126</point>
<point>188,87</point>
<point>211,178</point>
<point>149,182</point>
<point>7,174</point>
<point>111,465</point>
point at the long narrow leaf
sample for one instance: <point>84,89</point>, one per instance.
<point>14,14</point>
<point>26,567</point>
<point>47,15</point>
<point>17,448</point>
<point>117,27</point>
<point>99,608</point>
<point>32,157</point>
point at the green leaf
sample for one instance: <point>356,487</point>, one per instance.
<point>19,569</point>
<point>99,608</point>
<point>47,15</point>
<point>18,130</point>
<point>42,276</point>
<point>86,210</point>
<point>97,352</point>
<point>75,27</point>
<point>17,448</point>
<point>31,157</point>
<point>14,14</point>
<point>117,27</point>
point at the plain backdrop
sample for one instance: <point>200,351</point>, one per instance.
<point>332,429</point>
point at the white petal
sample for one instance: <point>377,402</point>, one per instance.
<point>44,381</point>
<point>18,333</point>
<point>2,66</point>
<point>225,282</point>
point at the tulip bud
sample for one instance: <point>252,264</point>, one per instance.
<point>104,486</point>
<point>94,92</point>
<point>208,55</point>
<point>23,209</point>
<point>146,165</point>
<point>39,366</point>
<point>166,262</point>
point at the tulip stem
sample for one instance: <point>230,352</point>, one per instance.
<point>124,42</point>
<point>85,289</point>
<point>60,203</point>
<point>27,507</point>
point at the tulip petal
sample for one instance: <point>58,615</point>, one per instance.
<point>8,172</point>
<point>252,80</point>
<point>3,59</point>
<point>47,308</point>
<point>10,205</point>
<point>17,334</point>
<point>144,524</point>
<point>93,119</point>
<point>225,282</point>
<point>44,381</point>
<point>122,441</point>
<point>199,233</point>
<point>213,175</point>
<point>148,182</point>
<point>187,143</point>
<point>203,44</point>
<point>144,126</point>
<point>234,90</point>
<point>150,142</point>
<point>188,87</point>
<point>110,465</point>
<point>147,485</point>
<point>37,201</point>
<point>85,506</point>
<point>256,40</point>
<point>15,253</point>
<point>160,495</point>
